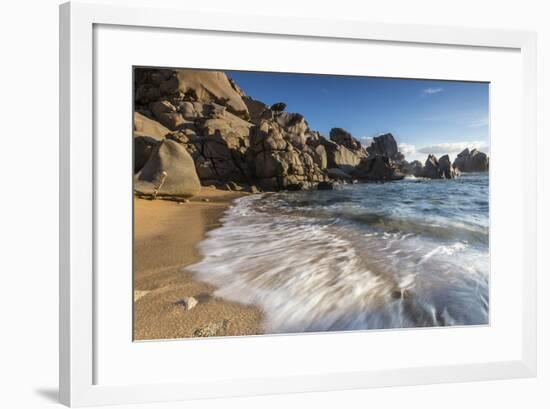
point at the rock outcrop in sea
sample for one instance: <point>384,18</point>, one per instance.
<point>376,168</point>
<point>198,127</point>
<point>386,145</point>
<point>437,168</point>
<point>471,161</point>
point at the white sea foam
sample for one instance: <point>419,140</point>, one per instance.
<point>310,272</point>
<point>443,250</point>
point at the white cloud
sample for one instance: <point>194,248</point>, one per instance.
<point>407,149</point>
<point>431,91</point>
<point>453,147</point>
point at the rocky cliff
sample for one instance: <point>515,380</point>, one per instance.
<point>201,126</point>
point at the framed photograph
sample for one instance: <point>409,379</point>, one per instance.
<point>257,204</point>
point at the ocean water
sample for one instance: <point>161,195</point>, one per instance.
<point>412,253</point>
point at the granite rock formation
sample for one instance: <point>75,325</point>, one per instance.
<point>224,137</point>
<point>471,161</point>
<point>376,168</point>
<point>437,168</point>
<point>169,170</point>
<point>386,145</point>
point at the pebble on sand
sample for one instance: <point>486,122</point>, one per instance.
<point>189,302</point>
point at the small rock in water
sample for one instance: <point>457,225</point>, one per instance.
<point>254,189</point>
<point>189,302</point>
<point>294,187</point>
<point>325,186</point>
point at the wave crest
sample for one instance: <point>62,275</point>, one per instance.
<point>312,273</point>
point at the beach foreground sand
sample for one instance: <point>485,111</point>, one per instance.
<point>166,234</point>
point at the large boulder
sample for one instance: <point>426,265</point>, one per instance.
<point>338,156</point>
<point>227,125</point>
<point>376,168</point>
<point>206,86</point>
<point>479,161</point>
<point>471,161</point>
<point>431,169</point>
<point>295,126</point>
<point>385,145</point>
<point>319,155</point>
<point>193,110</point>
<point>167,114</point>
<point>257,110</point>
<point>343,137</point>
<point>147,126</point>
<point>184,85</point>
<point>438,168</point>
<point>461,160</point>
<point>280,163</point>
<point>172,166</point>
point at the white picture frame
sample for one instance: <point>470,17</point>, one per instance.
<point>77,20</point>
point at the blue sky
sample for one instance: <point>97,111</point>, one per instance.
<point>425,116</point>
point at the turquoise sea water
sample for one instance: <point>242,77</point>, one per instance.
<point>411,253</point>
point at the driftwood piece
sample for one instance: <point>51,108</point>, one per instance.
<point>159,186</point>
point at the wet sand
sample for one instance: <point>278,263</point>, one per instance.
<point>165,238</point>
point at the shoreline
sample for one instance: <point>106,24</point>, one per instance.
<point>166,235</point>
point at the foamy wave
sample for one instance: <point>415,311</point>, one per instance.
<point>443,250</point>
<point>318,274</point>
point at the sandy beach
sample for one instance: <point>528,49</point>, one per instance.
<point>165,239</point>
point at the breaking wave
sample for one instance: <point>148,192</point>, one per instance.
<point>405,254</point>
